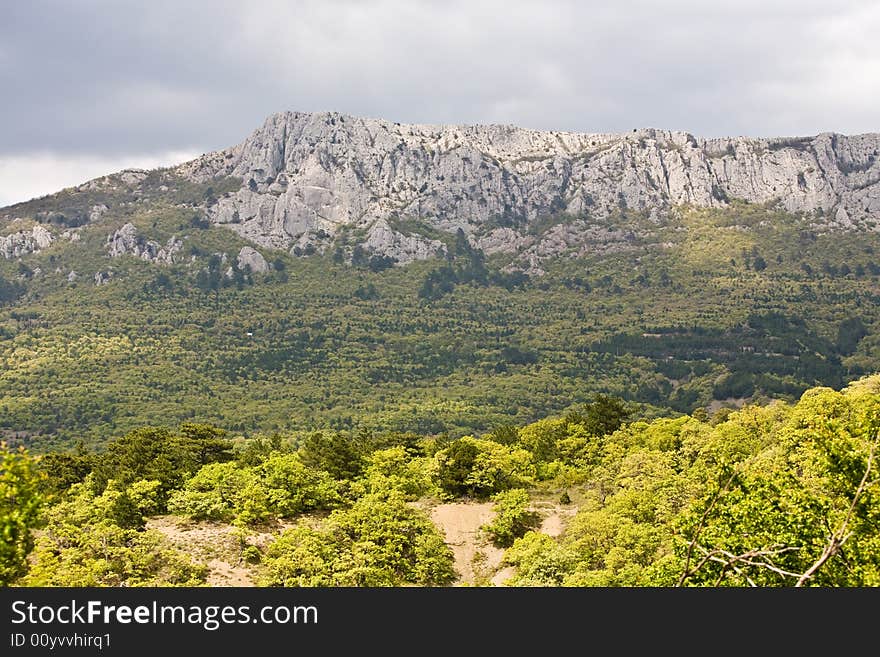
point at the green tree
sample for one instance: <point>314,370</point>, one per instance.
<point>336,453</point>
<point>158,454</point>
<point>379,541</point>
<point>479,468</point>
<point>20,503</point>
<point>98,540</point>
<point>804,511</point>
<point>513,517</point>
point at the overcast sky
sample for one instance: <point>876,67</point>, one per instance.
<point>93,86</point>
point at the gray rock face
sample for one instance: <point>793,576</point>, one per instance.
<point>25,241</point>
<point>127,241</point>
<point>97,211</point>
<point>307,176</point>
<point>383,240</point>
<point>252,258</point>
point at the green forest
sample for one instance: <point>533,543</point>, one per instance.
<point>782,494</point>
<point>700,309</point>
<point>689,401</point>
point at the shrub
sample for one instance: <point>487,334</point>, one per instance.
<point>512,517</point>
<point>380,541</point>
<point>470,466</point>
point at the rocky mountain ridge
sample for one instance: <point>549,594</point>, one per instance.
<point>309,178</point>
<point>307,183</point>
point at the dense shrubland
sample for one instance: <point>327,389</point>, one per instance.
<point>771,495</point>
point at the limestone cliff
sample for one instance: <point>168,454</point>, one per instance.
<point>308,178</point>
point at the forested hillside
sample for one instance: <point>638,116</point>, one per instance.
<point>625,399</point>
<point>706,308</point>
<point>774,495</point>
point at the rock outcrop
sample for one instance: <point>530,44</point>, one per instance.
<point>306,177</point>
<point>127,241</point>
<point>383,240</point>
<point>250,257</point>
<point>25,241</point>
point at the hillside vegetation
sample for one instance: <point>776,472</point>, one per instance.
<point>706,308</point>
<point>781,494</point>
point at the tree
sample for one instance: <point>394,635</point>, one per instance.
<point>475,467</point>
<point>379,541</point>
<point>63,469</point>
<point>280,486</point>
<point>456,466</point>
<point>20,503</point>
<point>397,469</point>
<point>210,280</point>
<point>849,334</point>
<point>805,513</point>
<point>98,540</point>
<point>603,416</point>
<point>10,291</point>
<point>156,453</point>
<point>335,453</point>
<point>513,518</point>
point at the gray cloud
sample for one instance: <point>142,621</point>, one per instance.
<point>105,79</point>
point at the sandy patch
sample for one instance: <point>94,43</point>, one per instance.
<point>216,545</point>
<point>475,557</point>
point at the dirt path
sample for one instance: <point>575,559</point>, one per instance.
<point>477,561</point>
<point>554,522</point>
<point>475,558</point>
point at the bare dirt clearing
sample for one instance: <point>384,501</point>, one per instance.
<point>477,560</point>
<point>215,545</point>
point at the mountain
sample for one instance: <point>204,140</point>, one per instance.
<point>309,182</point>
<point>311,177</point>
<point>343,273</point>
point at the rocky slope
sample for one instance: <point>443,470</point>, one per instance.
<point>309,179</point>
<point>23,242</point>
<point>311,182</point>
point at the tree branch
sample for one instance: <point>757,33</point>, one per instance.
<point>700,526</point>
<point>839,537</point>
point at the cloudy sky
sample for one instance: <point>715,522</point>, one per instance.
<point>93,86</point>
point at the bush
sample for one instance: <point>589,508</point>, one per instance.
<point>282,486</point>
<point>20,503</point>
<point>380,541</point>
<point>213,493</point>
<point>293,488</point>
<point>479,468</point>
<point>97,540</point>
<point>512,517</point>
<point>394,469</point>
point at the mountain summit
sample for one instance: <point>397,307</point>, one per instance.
<point>308,183</point>
<point>308,178</point>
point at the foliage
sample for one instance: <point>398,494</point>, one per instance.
<point>96,540</point>
<point>394,469</point>
<point>774,495</point>
<point>513,518</point>
<point>20,502</point>
<point>784,505</point>
<point>666,321</point>
<point>334,453</point>
<point>770,496</point>
<point>479,468</point>
<point>155,453</point>
<point>280,486</point>
<point>379,541</point>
